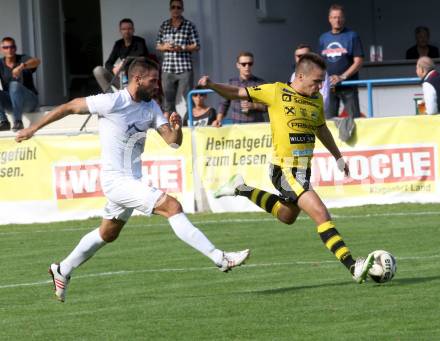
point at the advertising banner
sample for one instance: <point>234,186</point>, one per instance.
<point>391,160</point>
<point>50,178</point>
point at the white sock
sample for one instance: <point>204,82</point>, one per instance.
<point>191,235</point>
<point>85,249</point>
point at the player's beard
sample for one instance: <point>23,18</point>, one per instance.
<point>144,94</point>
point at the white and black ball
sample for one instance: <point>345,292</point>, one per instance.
<point>384,267</point>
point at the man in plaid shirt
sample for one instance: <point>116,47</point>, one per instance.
<point>177,39</point>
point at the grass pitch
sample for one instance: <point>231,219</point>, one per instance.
<point>148,285</point>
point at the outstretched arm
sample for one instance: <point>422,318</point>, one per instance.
<point>75,106</point>
<point>325,136</point>
<point>224,90</point>
<point>172,132</point>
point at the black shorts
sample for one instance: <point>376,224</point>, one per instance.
<point>290,182</point>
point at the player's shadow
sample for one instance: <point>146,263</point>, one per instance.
<point>298,288</point>
<point>394,282</point>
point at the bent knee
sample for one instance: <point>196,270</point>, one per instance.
<point>109,236</point>
<point>288,215</point>
<point>287,220</point>
<point>168,206</point>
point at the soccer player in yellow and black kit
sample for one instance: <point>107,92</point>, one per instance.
<point>296,118</point>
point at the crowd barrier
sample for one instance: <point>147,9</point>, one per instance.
<point>52,178</point>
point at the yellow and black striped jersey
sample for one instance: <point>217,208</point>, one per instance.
<point>294,119</point>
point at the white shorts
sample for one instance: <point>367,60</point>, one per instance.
<point>126,194</point>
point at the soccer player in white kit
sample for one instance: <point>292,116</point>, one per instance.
<point>124,117</point>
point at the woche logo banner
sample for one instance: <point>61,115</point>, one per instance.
<point>74,181</point>
<point>377,165</point>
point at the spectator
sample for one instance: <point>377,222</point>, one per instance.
<point>342,50</point>
<point>300,51</point>
<point>430,83</point>
<point>422,48</point>
<point>202,114</point>
<point>243,111</point>
<point>177,39</point>
<point>129,46</point>
<point>17,91</point>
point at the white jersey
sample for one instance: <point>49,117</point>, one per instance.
<point>122,128</point>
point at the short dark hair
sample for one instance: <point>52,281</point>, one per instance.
<point>303,46</point>
<point>8,39</point>
<point>181,1</point>
<point>336,7</point>
<point>310,60</point>
<point>140,64</point>
<point>245,54</point>
<point>420,29</point>
<point>126,21</point>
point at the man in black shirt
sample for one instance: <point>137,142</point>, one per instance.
<point>17,90</point>
<point>422,47</point>
<point>129,46</point>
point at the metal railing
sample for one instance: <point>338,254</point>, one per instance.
<point>384,81</point>
<point>369,83</point>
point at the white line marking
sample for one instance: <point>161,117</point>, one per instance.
<point>129,272</point>
<point>232,221</point>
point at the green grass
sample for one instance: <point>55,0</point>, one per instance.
<point>148,285</point>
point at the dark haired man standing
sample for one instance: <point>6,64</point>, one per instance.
<point>343,53</point>
<point>177,40</point>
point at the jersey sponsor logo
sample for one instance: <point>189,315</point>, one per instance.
<point>301,138</point>
<point>288,91</point>
<point>74,181</point>
<point>304,101</point>
<point>256,88</point>
<point>289,111</point>
<point>286,98</point>
<point>300,125</point>
<point>303,111</point>
<point>314,115</point>
<point>303,152</point>
<point>377,166</point>
<point>334,51</point>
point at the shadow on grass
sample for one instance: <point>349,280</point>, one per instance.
<point>394,282</point>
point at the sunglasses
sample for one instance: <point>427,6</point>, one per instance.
<point>248,63</point>
<point>199,95</point>
<point>176,7</point>
<point>9,47</point>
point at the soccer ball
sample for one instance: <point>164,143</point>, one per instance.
<point>384,267</point>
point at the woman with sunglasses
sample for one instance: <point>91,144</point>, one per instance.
<point>202,114</point>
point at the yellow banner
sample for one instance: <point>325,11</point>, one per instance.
<point>390,160</point>
<point>59,176</point>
